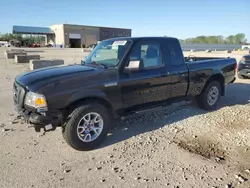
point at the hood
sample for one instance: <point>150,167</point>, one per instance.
<point>51,73</point>
<point>247,56</point>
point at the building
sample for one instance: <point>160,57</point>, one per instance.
<point>74,36</point>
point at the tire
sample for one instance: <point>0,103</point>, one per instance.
<point>202,99</point>
<point>70,130</point>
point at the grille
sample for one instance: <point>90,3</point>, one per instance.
<point>18,95</point>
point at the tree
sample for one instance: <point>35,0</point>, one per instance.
<point>232,39</point>
<point>9,36</point>
<point>29,39</point>
<point>240,38</point>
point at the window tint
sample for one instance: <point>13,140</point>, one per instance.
<point>150,53</point>
<point>175,53</point>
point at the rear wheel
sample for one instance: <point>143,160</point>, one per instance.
<point>87,127</point>
<point>210,96</point>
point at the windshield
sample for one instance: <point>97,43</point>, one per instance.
<point>108,53</point>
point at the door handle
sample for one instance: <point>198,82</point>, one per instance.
<point>165,74</point>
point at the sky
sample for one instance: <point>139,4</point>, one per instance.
<point>175,18</point>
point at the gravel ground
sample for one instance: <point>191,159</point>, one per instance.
<point>180,146</point>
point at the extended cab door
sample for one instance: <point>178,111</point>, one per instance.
<point>176,69</point>
<point>147,84</point>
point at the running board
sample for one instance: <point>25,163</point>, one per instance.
<point>158,108</point>
<point>149,110</point>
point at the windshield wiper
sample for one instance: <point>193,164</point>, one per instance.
<point>99,64</point>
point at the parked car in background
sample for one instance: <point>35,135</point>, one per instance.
<point>15,43</point>
<point>7,45</point>
<point>244,67</point>
<point>245,47</point>
<point>4,44</point>
<point>34,45</point>
<point>49,45</point>
<point>92,46</point>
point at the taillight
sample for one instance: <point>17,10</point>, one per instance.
<point>235,66</point>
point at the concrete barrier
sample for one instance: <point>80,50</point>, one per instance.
<point>25,58</point>
<point>37,64</point>
<point>17,50</point>
<point>11,55</point>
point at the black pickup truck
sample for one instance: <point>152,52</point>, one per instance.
<point>120,77</point>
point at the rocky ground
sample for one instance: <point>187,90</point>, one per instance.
<point>180,146</point>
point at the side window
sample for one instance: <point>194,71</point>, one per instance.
<point>175,53</point>
<point>150,53</point>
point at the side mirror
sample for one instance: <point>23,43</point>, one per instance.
<point>83,61</point>
<point>133,65</point>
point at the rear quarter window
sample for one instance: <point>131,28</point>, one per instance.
<point>175,52</point>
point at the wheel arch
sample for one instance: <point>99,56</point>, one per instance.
<point>90,99</point>
<point>217,77</point>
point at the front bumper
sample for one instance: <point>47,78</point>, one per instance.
<point>244,72</point>
<point>244,69</point>
<point>51,119</point>
<point>233,80</point>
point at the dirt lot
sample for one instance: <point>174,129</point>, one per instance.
<point>181,146</point>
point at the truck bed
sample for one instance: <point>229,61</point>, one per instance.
<point>194,58</point>
<point>201,70</point>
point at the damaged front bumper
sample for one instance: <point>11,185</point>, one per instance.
<point>48,120</point>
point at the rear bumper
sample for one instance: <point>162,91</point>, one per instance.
<point>41,120</point>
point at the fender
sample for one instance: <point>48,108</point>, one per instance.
<point>218,76</point>
<point>87,93</point>
<point>198,81</point>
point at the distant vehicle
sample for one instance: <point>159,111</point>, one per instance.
<point>34,45</point>
<point>4,44</point>
<point>244,67</point>
<point>85,99</point>
<point>15,42</point>
<point>91,46</point>
<point>7,45</point>
<point>245,47</point>
<point>49,45</point>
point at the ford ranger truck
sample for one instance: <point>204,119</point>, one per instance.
<point>120,77</point>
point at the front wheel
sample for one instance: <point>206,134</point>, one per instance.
<point>87,127</point>
<point>210,96</point>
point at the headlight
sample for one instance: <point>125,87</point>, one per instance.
<point>35,100</point>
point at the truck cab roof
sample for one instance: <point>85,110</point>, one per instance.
<point>143,38</point>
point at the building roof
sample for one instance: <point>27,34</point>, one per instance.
<point>31,30</point>
<point>94,26</point>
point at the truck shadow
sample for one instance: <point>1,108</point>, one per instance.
<point>236,94</point>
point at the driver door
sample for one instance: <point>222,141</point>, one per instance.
<point>147,84</point>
